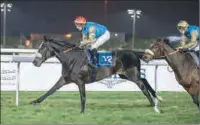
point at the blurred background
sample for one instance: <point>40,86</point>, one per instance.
<point>134,24</point>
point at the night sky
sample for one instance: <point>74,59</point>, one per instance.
<point>158,18</point>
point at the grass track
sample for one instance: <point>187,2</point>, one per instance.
<point>101,108</point>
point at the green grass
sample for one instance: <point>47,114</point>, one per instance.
<point>101,108</point>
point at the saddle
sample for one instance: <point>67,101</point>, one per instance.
<point>104,58</point>
<point>194,55</point>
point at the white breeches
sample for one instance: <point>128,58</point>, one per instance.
<point>101,40</point>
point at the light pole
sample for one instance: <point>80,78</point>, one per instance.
<point>4,8</point>
<point>134,14</point>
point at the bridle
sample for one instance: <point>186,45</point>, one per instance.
<point>68,49</point>
<point>171,53</point>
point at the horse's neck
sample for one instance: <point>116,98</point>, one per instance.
<point>60,59</point>
<point>76,55</point>
<point>174,59</point>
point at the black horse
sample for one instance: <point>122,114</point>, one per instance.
<point>75,68</point>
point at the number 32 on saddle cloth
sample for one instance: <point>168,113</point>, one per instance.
<point>104,58</point>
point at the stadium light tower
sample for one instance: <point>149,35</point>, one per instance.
<point>4,8</point>
<point>134,14</point>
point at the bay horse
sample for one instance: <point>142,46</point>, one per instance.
<point>185,68</point>
<point>76,69</point>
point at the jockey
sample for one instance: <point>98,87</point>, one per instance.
<point>190,32</point>
<point>93,36</point>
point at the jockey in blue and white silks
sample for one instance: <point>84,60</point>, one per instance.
<point>92,32</point>
<point>93,36</point>
<point>192,33</point>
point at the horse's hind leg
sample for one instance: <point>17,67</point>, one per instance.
<point>146,83</point>
<point>152,91</point>
<point>57,86</point>
<point>134,75</point>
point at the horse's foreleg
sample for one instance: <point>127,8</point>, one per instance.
<point>195,99</point>
<point>193,90</point>
<point>81,86</point>
<point>57,86</point>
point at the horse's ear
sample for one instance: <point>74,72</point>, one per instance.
<point>45,38</point>
<point>50,40</point>
<point>159,39</point>
<point>28,37</point>
<point>166,41</point>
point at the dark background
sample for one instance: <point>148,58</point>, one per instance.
<point>159,18</point>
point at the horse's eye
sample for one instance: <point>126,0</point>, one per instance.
<point>156,47</point>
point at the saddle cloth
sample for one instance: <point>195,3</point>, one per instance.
<point>104,58</point>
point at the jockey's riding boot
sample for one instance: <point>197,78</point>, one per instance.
<point>197,53</point>
<point>94,57</point>
<point>94,65</point>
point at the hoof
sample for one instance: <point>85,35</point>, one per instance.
<point>82,112</point>
<point>156,109</point>
<point>34,102</point>
<point>160,99</point>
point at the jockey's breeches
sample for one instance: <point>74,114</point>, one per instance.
<point>101,40</point>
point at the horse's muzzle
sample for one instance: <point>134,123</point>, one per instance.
<point>37,62</point>
<point>146,58</point>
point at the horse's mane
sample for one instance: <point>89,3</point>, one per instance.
<point>60,41</point>
<point>64,43</point>
<point>166,41</point>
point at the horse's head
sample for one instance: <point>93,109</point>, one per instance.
<point>44,52</point>
<point>49,48</point>
<point>156,50</point>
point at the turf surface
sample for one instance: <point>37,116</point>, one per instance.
<point>101,108</point>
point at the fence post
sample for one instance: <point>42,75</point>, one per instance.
<point>155,79</point>
<point>18,82</point>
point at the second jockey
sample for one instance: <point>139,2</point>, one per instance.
<point>93,36</point>
<point>190,32</point>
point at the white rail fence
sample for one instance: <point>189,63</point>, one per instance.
<point>19,74</point>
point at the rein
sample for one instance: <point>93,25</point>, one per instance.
<point>66,50</point>
<point>173,68</point>
<point>171,53</point>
